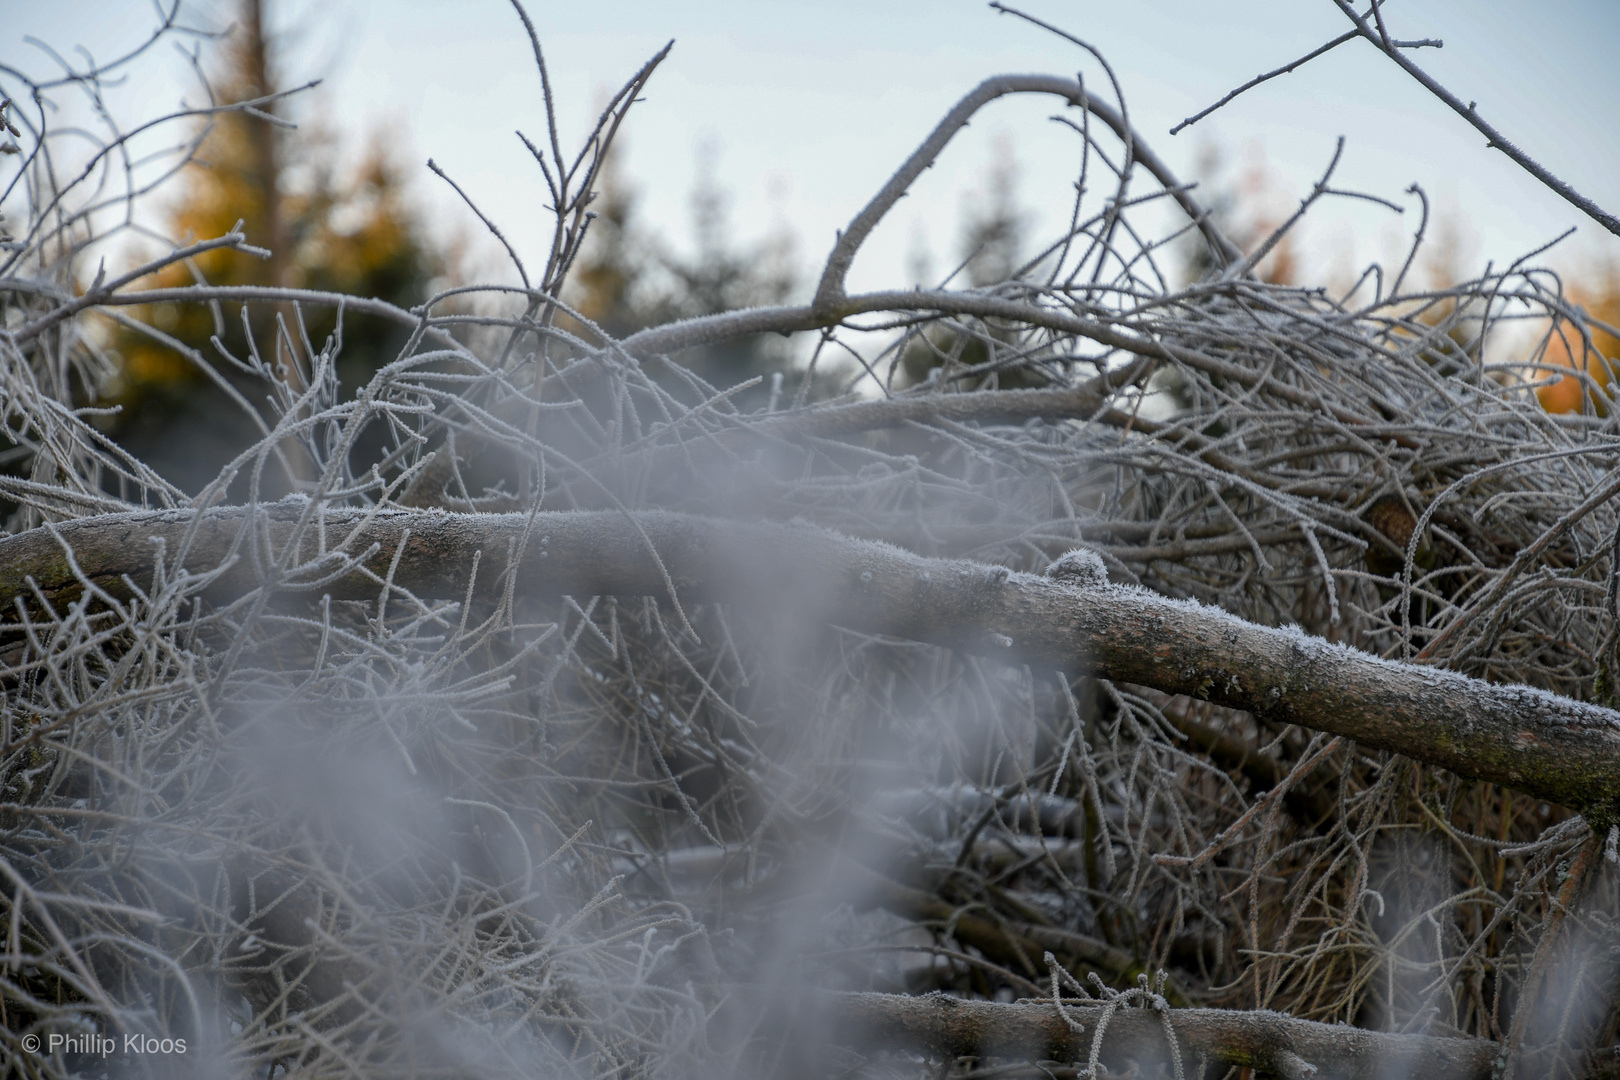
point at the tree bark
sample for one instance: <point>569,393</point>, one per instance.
<point>1271,1043</point>
<point>1550,747</point>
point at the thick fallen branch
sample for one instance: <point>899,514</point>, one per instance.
<point>1269,1042</point>
<point>1547,746</point>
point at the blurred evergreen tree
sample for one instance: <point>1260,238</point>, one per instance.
<point>996,225</point>
<point>994,230</point>
<point>351,233</point>
<point>608,282</point>
<point>629,278</point>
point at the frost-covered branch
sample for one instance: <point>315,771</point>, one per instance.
<point>1158,626</point>
<point>1271,1043</point>
<point>1529,740</point>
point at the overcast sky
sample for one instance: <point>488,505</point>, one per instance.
<point>810,104</point>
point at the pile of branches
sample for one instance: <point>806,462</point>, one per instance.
<point>1161,656</point>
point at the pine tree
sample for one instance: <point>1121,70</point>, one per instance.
<point>352,233</point>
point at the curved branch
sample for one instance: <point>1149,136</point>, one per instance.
<point>1553,748</point>
<point>1089,400</point>
<point>830,290</point>
<point>672,337</point>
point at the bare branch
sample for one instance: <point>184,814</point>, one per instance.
<point>1267,1042</point>
<point>830,291</point>
<point>1494,138</point>
<point>1553,748</point>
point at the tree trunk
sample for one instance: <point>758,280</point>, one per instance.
<point>1554,748</point>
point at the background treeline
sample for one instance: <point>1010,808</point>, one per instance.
<point>358,230</point>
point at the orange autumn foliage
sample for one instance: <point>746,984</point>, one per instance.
<point>1566,349</point>
<point>349,230</point>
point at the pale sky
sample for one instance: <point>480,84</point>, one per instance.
<point>811,104</point>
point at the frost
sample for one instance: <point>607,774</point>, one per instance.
<point>585,821</point>
<point>1081,567</point>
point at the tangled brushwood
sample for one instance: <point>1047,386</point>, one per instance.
<point>1117,660</point>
